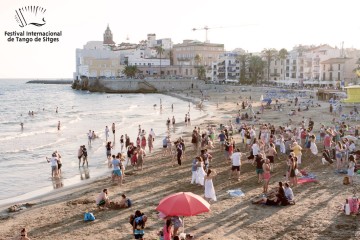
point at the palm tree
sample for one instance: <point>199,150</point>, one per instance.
<point>201,73</point>
<point>357,69</point>
<point>283,53</point>
<point>244,62</point>
<point>256,68</point>
<point>130,71</point>
<point>159,50</point>
<point>197,59</point>
<point>269,54</point>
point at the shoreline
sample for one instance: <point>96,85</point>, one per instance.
<point>45,193</point>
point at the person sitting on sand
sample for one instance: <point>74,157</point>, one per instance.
<point>102,201</point>
<point>23,235</point>
<point>279,199</point>
<point>288,192</point>
<point>124,202</point>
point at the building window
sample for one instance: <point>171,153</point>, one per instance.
<point>323,76</point>
<point>330,77</point>
<point>186,72</point>
<point>191,72</point>
<point>339,74</point>
<point>339,67</point>
<point>287,74</point>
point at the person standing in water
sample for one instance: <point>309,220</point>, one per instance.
<point>90,136</point>
<point>113,129</point>
<point>121,143</point>
<point>173,120</point>
<point>56,110</point>
<point>22,126</point>
<point>58,126</point>
<point>106,133</point>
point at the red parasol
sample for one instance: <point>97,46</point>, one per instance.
<point>183,204</point>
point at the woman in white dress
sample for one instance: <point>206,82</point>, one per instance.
<point>209,186</point>
<point>200,173</point>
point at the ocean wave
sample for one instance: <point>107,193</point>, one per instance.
<point>31,149</point>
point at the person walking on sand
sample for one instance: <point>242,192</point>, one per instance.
<point>235,164</point>
<point>200,174</point>
<point>258,162</point>
<point>143,142</point>
<point>266,174</point>
<point>116,173</point>
<point>209,186</point>
<point>106,133</point>
<point>194,168</point>
<point>150,143</point>
<point>140,158</point>
<point>351,169</point>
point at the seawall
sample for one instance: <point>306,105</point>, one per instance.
<point>51,81</point>
<point>138,85</point>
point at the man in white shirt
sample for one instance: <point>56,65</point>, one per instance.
<point>288,192</point>
<point>235,164</point>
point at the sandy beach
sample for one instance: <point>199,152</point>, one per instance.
<point>315,215</point>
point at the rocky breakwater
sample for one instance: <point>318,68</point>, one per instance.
<point>136,85</point>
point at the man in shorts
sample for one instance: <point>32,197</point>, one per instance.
<point>236,164</point>
<point>116,170</point>
<point>102,201</point>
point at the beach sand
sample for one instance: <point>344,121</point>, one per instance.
<point>316,215</point>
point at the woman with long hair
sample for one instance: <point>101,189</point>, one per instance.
<point>167,230</point>
<point>293,168</point>
<point>209,186</point>
<point>266,174</point>
<point>338,154</point>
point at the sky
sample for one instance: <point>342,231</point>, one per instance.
<point>250,25</point>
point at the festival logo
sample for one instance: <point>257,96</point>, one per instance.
<point>33,15</point>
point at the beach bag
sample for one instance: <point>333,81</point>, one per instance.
<point>129,203</point>
<point>346,180</point>
<point>89,217</point>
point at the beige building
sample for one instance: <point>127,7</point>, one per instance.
<point>185,53</point>
<point>103,67</point>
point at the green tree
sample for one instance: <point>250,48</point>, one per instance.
<point>269,54</point>
<point>160,50</point>
<point>283,53</point>
<point>244,62</point>
<point>130,71</point>
<point>256,68</point>
<point>197,59</point>
<point>201,73</point>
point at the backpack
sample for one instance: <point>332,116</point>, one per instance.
<point>89,217</point>
<point>346,180</point>
<point>129,203</point>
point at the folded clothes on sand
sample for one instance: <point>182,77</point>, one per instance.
<point>236,193</point>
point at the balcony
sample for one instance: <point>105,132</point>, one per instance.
<point>274,74</point>
<point>183,59</point>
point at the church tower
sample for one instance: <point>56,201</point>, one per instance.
<point>108,37</point>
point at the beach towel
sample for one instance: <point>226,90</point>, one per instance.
<point>354,204</point>
<point>236,193</point>
<point>306,180</point>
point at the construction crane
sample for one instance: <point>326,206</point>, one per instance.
<point>206,28</point>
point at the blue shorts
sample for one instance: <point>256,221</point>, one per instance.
<point>117,172</point>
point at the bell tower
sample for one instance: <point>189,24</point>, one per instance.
<point>108,37</point>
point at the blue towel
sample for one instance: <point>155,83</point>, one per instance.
<point>236,193</point>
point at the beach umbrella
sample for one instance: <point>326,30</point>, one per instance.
<point>183,204</point>
<point>350,137</point>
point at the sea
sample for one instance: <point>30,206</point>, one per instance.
<point>24,171</point>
